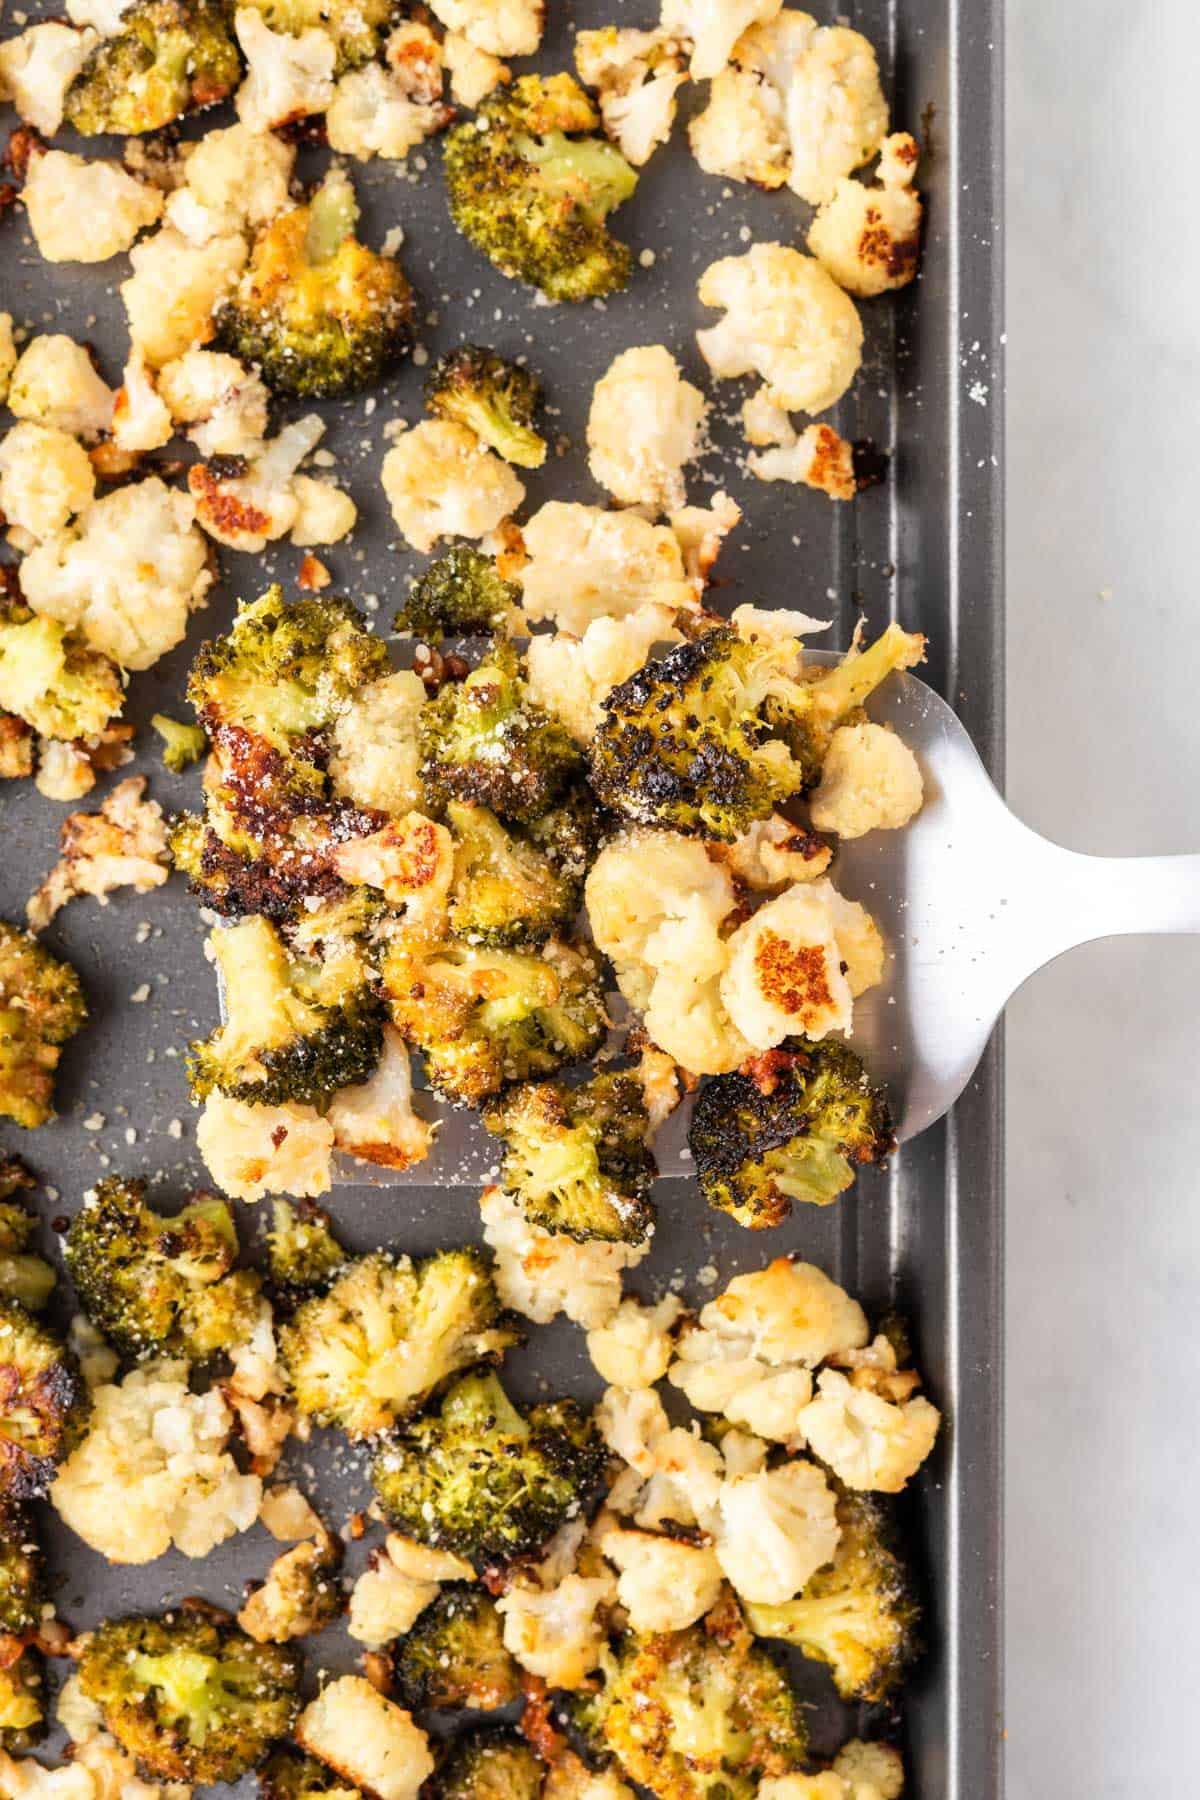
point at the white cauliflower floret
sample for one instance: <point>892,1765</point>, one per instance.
<point>784,973</point>
<point>542,1273</point>
<point>676,1475</point>
<point>778,1527</point>
<point>558,1632</point>
<point>128,574</point>
<point>571,676</point>
<point>85,211</point>
<point>387,111</point>
<point>633,1349</point>
<point>250,510</point>
<point>8,354</point>
<point>742,133</point>
<point>870,781</point>
<point>223,404</point>
<point>442,482</point>
<point>368,1739</point>
<point>816,458</point>
<point>411,862</point>
<point>869,237</point>
<point>45,478</point>
<point>401,1580</point>
<point>587,563</point>
<point>68,771</point>
<point>234,180</point>
<point>473,72</point>
<point>254,1150</point>
<point>325,512</point>
<point>646,422</point>
<point>786,320</point>
<point>700,531</point>
<point>287,77</point>
<point>859,942</point>
<point>665,1583</point>
<point>141,418</point>
<point>713,27</point>
<point>774,851</point>
<point>295,1598</point>
<point>122,845</point>
<point>868,1442</point>
<point>826,1786</point>
<point>175,285</point>
<point>154,1470</point>
<point>376,757</point>
<point>55,383</point>
<point>570,1779</point>
<point>633,1423</point>
<point>38,67</point>
<point>501,27</point>
<point>376,1121</point>
<point>636,75</point>
<point>870,1771</point>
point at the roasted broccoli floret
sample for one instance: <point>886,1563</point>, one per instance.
<point>454,1656</point>
<point>190,1696</point>
<point>859,1613</point>
<point>24,1276</point>
<point>357,27</point>
<point>43,1403</point>
<point>484,740</point>
<point>506,892</point>
<point>798,1131</point>
<point>50,678</point>
<point>303,1256</point>
<point>462,594</point>
<point>182,744</point>
<point>22,1587</point>
<point>489,1765</point>
<point>293,1030</point>
<point>315,310</point>
<point>576,1157</point>
<point>530,188</point>
<point>494,398</point>
<point>478,1479</point>
<point>160,1286</point>
<point>22,1702</point>
<point>389,1333</point>
<point>569,832</point>
<point>701,1714</point>
<point>290,1774</point>
<point>41,1006</point>
<point>166,58</point>
<point>720,731</point>
<point>482,1018</point>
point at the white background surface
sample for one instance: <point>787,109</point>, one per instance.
<point>1103,1450</point>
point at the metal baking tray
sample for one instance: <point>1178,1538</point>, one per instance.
<point>924,545</point>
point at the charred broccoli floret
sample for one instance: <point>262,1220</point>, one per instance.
<point>182,744</point>
<point>191,1697</point>
<point>315,310</point>
<point>41,1007</point>
<point>22,1587</point>
<point>454,1656</point>
<point>489,1765</point>
<point>389,1333</point>
<point>293,1030</point>
<point>496,399</point>
<point>720,731</point>
<point>290,1774</point>
<point>506,892</point>
<point>478,1479</point>
<point>569,832</point>
<point>484,740</point>
<point>303,1256</point>
<point>531,189</point>
<point>576,1158</point>
<point>483,1018</point>
<point>160,1286</point>
<point>43,1403</point>
<point>51,678</point>
<point>859,1613</point>
<point>800,1131</point>
<point>166,58</point>
<point>462,594</point>
<point>24,1276</point>
<point>22,1702</point>
<point>357,27</point>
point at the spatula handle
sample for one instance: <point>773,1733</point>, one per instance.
<point>1116,896</point>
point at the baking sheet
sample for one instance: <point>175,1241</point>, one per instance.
<point>924,546</point>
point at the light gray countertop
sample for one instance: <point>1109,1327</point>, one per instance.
<point>1103,1259</point>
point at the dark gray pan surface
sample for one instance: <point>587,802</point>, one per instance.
<point>925,545</point>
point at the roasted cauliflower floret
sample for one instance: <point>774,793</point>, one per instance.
<point>37,68</point>
<point>869,236</point>
<point>254,1150</point>
<point>777,1527</point>
<point>167,58</point>
<point>357,27</point>
<point>386,109</point>
<point>55,382</point>
<point>375,1120</point>
<point>665,1583</point>
<point>585,563</point>
<point>541,1273</point>
<point>375,753</point>
<point>576,1157</point>
<point>573,676</point>
<point>85,210</point>
<point>368,1739</point>
<point>288,77</point>
<point>646,423</point>
<point>713,27</point>
<point>41,1008</point>
<point>870,781</point>
<point>499,27</point>
<point>401,1579</point>
<point>786,320</point>
<point>636,75</point>
<point>124,844</point>
<point>869,1441</point>
<point>633,1349</point>
<point>441,481</point>
<point>234,180</point>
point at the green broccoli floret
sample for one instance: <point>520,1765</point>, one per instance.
<point>316,311</point>
<point>483,1018</point>
<point>43,1403</point>
<point>531,189</point>
<point>157,1285</point>
<point>290,1774</point>
<point>50,678</point>
<point>357,27</point>
<point>462,594</point>
<point>303,1255</point>
<point>569,833</point>
<point>496,399</point>
<point>576,1157</point>
<point>24,1276</point>
<point>720,731</point>
<point>41,1007</point>
<point>489,1765</point>
<point>454,1656</point>
<point>799,1131</point>
<point>505,893</point>
<point>389,1334</point>
<point>480,1480</point>
<point>293,1030</point>
<point>859,1614</point>
<point>22,1703</point>
<point>484,740</point>
<point>191,1697</point>
<point>22,1580</point>
<point>182,744</point>
<point>166,58</point>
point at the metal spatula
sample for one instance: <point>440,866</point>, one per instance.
<point>970,903</point>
